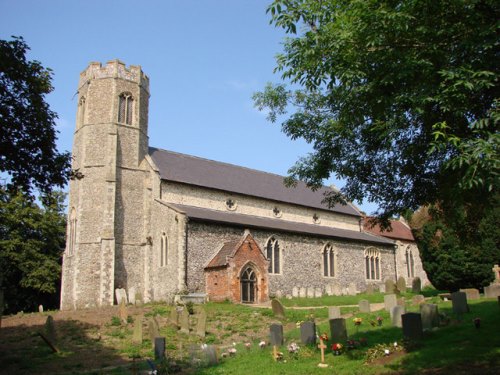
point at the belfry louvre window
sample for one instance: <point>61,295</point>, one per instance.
<point>273,253</point>
<point>329,261</point>
<point>372,264</point>
<point>125,107</point>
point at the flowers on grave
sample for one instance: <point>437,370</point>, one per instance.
<point>248,345</point>
<point>324,337</point>
<point>477,322</point>
<point>380,320</point>
<point>232,351</point>
<point>387,352</point>
<point>395,344</point>
<point>293,348</point>
<point>357,321</point>
<point>337,348</point>
<point>262,344</point>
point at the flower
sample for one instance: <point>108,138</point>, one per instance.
<point>357,321</point>
<point>336,347</point>
<point>232,351</point>
<point>293,348</point>
<point>387,352</point>
<point>324,337</point>
<point>262,344</point>
<point>248,345</point>
<point>379,318</point>
<point>395,344</point>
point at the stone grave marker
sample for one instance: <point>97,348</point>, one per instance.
<point>318,292</point>
<point>492,291</point>
<point>418,300</point>
<point>50,329</point>
<point>131,295</point>
<point>364,306</point>
<point>338,331</point>
<point>416,285</point>
<point>279,293</point>
<point>302,292</point>
<point>328,290</point>
<point>153,330</point>
<point>352,289</point>
<point>459,303</point>
<point>276,334</point>
<point>137,335</point>
<point>396,313</point>
<point>381,288</point>
<point>389,286</point>
<point>120,294</point>
<point>184,321</point>
<point>295,292</point>
<point>40,309</point>
<point>310,292</point>
<point>430,316</point>
<point>471,293</point>
<point>412,326</point>
<point>210,355</point>
<point>173,318</point>
<point>278,309</point>
<point>308,333</point>
<point>336,290</point>
<point>123,311</point>
<point>201,325</point>
<point>390,300</point>
<point>139,301</point>
<point>159,348</point>
<point>333,312</point>
<point>369,289</point>
<point>401,284</point>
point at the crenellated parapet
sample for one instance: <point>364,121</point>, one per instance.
<point>114,69</point>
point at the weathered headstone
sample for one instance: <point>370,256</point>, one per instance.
<point>310,292</point>
<point>276,334</point>
<point>174,317</point>
<point>137,335</point>
<point>159,348</point>
<point>131,295</point>
<point>416,285</point>
<point>390,300</point>
<point>471,293</point>
<point>459,303</point>
<point>123,311</point>
<point>318,292</point>
<point>412,326</point>
<point>295,292</point>
<point>184,321</point>
<point>40,309</point>
<point>302,292</point>
<point>369,289</point>
<point>153,330</point>
<point>396,313</point>
<point>211,355</point>
<point>430,315</point>
<point>278,309</point>
<point>120,294</point>
<point>389,286</point>
<point>417,300</point>
<point>338,331</point>
<point>352,289</point>
<point>401,284</point>
<point>492,291</point>
<point>138,299</point>
<point>333,312</point>
<point>201,325</point>
<point>328,290</point>
<point>381,288</point>
<point>364,306</point>
<point>336,290</point>
<point>50,329</point>
<point>308,333</point>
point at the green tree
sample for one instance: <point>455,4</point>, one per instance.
<point>27,137</point>
<point>32,240</point>
<point>398,98</point>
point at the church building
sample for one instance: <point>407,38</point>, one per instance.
<point>159,223</point>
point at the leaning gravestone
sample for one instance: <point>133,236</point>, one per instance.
<point>338,331</point>
<point>412,326</point>
<point>389,286</point>
<point>201,325</point>
<point>471,293</point>
<point>416,285</point>
<point>401,284</point>
<point>159,348</point>
<point>278,309</point>
<point>430,315</point>
<point>131,295</point>
<point>121,294</point>
<point>364,306</point>
<point>184,321</point>
<point>396,313</point>
<point>174,317</point>
<point>153,330</point>
<point>459,303</point>
<point>137,335</point>
<point>50,330</point>
<point>308,333</point>
<point>390,300</point>
<point>418,299</point>
<point>492,291</point>
<point>333,312</point>
<point>276,334</point>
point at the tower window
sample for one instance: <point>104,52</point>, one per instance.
<point>125,106</point>
<point>164,250</point>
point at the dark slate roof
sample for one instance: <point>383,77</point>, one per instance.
<point>399,231</point>
<point>220,259</point>
<point>249,221</point>
<point>231,178</point>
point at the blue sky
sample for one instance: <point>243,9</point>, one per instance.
<point>204,58</point>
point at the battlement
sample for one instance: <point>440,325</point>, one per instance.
<point>114,69</point>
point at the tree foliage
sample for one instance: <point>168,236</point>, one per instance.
<point>27,137</point>
<point>32,239</point>
<point>399,98</point>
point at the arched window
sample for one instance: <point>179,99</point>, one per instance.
<point>410,263</point>
<point>72,232</point>
<point>125,107</point>
<point>329,261</point>
<point>163,250</point>
<point>81,111</point>
<point>372,264</point>
<point>273,255</point>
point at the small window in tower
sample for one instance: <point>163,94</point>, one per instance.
<point>125,107</point>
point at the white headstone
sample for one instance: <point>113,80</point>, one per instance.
<point>295,292</point>
<point>318,293</point>
<point>328,290</point>
<point>303,292</point>
<point>121,294</point>
<point>310,292</point>
<point>131,295</point>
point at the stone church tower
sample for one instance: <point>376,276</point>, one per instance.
<point>109,191</point>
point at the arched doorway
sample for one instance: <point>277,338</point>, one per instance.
<point>248,282</point>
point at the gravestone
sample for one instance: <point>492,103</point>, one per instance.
<point>308,333</point>
<point>120,294</point>
<point>174,317</point>
<point>138,299</point>
<point>279,293</point>
<point>396,313</point>
<point>210,355</point>
<point>310,292</point>
<point>295,292</point>
<point>40,309</point>
<point>401,284</point>
<point>417,300</point>
<point>153,330</point>
<point>336,290</point>
<point>131,295</point>
<point>50,329</point>
<point>276,334</point>
<point>412,326</point>
<point>352,289</point>
<point>364,306</point>
<point>328,290</point>
<point>492,291</point>
<point>430,316</point>
<point>390,300</point>
<point>137,335</point>
<point>459,303</point>
<point>123,311</point>
<point>471,293</point>
<point>416,285</point>
<point>159,348</point>
<point>318,292</point>
<point>201,325</point>
<point>302,292</point>
<point>338,331</point>
<point>278,309</point>
<point>369,289</point>
<point>333,312</point>
<point>389,286</point>
<point>184,321</point>
<point>381,288</point>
